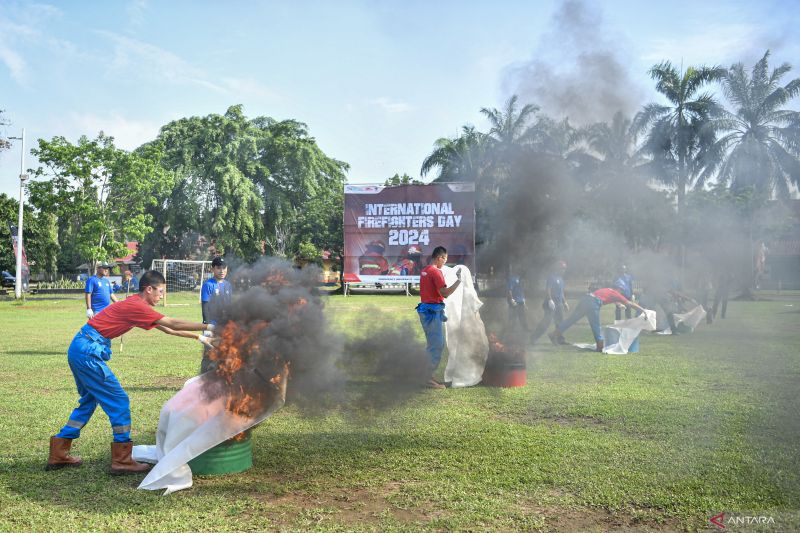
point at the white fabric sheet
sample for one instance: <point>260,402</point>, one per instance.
<point>691,318</point>
<point>189,426</point>
<point>467,345</point>
<point>624,332</point>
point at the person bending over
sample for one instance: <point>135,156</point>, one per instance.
<point>88,355</point>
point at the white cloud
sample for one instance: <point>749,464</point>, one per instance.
<point>391,106</point>
<point>248,87</point>
<point>128,133</point>
<point>136,12</point>
<point>152,62</point>
<point>707,44</point>
<point>15,64</point>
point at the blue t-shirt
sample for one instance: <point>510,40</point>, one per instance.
<point>555,284</point>
<point>218,292</point>
<point>624,284</point>
<point>100,289</point>
<point>515,287</point>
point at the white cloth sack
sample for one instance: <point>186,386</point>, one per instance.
<point>625,331</point>
<point>467,345</point>
<point>188,426</point>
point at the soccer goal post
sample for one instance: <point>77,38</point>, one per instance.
<point>184,279</point>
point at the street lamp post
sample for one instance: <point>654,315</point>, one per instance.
<point>22,179</point>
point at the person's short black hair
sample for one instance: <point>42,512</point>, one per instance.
<point>218,262</point>
<point>439,251</point>
<point>151,278</point>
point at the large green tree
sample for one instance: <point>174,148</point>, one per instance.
<point>676,135</point>
<point>760,147</point>
<point>249,185</point>
<point>98,195</point>
<point>40,237</point>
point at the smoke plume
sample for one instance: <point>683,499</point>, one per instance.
<point>276,327</point>
<point>576,71</point>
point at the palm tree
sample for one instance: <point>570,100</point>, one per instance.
<point>458,159</point>
<point>677,139</point>
<point>761,145</point>
<point>508,126</point>
<point>615,143</point>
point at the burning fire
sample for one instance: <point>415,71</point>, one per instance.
<point>495,345</point>
<point>508,350</point>
<point>236,344</point>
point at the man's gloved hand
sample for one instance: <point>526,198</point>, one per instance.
<point>209,327</point>
<point>458,273</point>
<point>205,339</point>
<point>551,304</point>
<point>89,314</point>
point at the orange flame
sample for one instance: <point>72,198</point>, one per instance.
<point>234,347</point>
<point>495,344</point>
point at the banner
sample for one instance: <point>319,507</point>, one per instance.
<point>390,232</point>
<point>26,271</point>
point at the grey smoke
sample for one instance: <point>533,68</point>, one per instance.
<point>576,71</point>
<point>279,319</point>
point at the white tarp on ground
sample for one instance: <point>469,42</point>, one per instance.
<point>689,319</point>
<point>622,334</point>
<point>188,426</point>
<point>467,345</point>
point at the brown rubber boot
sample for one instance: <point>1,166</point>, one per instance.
<point>600,346</point>
<point>121,461</point>
<point>59,454</point>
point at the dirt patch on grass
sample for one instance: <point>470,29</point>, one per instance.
<point>348,507</point>
<point>561,514</point>
<point>579,421</point>
<point>588,519</point>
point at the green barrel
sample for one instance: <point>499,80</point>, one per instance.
<point>228,457</point>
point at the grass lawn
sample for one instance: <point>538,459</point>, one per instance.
<point>692,426</point>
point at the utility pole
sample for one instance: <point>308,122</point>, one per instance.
<point>22,179</point>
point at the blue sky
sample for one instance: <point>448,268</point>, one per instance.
<point>376,82</point>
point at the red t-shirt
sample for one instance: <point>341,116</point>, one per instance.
<point>431,279</point>
<point>121,317</point>
<point>608,296</point>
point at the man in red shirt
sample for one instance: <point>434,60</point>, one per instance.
<point>589,306</point>
<point>97,384</point>
<point>432,291</point>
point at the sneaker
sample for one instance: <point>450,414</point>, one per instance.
<point>433,384</point>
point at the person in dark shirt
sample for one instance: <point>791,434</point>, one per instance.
<point>555,304</point>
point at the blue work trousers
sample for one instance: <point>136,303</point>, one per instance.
<point>432,318</point>
<point>588,306</point>
<point>97,384</point>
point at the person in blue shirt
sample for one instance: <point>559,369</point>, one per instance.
<point>99,294</point>
<point>129,283</point>
<point>554,305</point>
<point>516,302</point>
<point>215,294</point>
<point>624,285</point>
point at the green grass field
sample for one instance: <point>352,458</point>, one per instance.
<point>692,426</point>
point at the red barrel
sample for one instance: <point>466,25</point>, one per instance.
<point>499,373</point>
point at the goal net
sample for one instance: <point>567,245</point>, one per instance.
<point>184,279</point>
